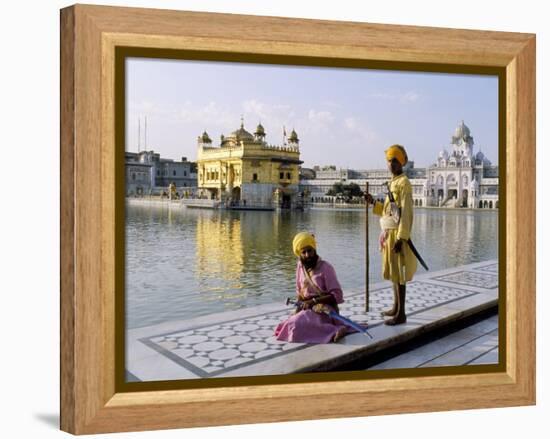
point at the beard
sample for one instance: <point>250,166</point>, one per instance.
<point>310,262</point>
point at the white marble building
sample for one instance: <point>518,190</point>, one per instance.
<point>458,178</point>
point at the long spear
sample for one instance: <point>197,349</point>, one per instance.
<point>367,250</point>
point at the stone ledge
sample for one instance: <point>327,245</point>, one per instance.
<point>241,343</point>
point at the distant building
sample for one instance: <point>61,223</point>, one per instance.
<point>307,174</point>
<point>460,178</point>
<point>245,169</point>
<point>147,172</point>
<point>327,176</point>
<point>457,179</point>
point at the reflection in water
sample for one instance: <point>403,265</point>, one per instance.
<point>183,263</point>
<point>219,257</point>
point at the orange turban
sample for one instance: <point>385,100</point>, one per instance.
<point>397,152</point>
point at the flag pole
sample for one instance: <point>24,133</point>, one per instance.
<point>367,250</point>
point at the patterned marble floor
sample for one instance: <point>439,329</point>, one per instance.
<point>483,280</point>
<point>210,350</point>
<point>492,268</point>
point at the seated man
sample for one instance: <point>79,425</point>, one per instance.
<point>316,287</point>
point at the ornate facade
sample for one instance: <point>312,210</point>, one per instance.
<point>244,169</point>
<point>458,178</point>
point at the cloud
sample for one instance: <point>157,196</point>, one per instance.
<point>359,129</point>
<point>208,115</point>
<point>350,123</point>
<point>322,118</point>
<point>272,116</point>
<point>263,111</point>
<point>410,96</point>
<point>256,108</point>
<point>217,118</point>
<point>202,115</point>
<point>146,108</point>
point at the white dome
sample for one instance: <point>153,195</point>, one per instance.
<point>480,156</point>
<point>462,131</point>
<point>443,154</point>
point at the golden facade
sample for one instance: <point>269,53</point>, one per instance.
<point>245,170</point>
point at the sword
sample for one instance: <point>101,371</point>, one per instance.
<point>415,252</point>
<point>348,322</point>
<point>334,315</point>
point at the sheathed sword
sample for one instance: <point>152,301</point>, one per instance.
<point>408,241</point>
<point>415,252</point>
<point>334,315</point>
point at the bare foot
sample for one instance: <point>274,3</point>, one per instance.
<point>339,334</point>
<point>397,320</point>
<point>390,312</point>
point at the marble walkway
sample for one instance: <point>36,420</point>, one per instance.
<point>474,345</point>
<point>241,343</point>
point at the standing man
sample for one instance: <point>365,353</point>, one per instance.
<point>316,287</point>
<point>398,261</point>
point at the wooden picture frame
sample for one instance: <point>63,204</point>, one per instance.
<point>91,399</point>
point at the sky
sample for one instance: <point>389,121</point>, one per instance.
<point>343,117</point>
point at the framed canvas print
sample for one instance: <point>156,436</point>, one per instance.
<point>260,211</point>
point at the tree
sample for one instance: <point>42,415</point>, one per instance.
<point>347,191</point>
<point>353,190</point>
<point>337,189</point>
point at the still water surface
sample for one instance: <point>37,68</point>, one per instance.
<point>183,263</point>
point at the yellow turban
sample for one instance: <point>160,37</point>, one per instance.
<point>397,152</point>
<point>301,241</point>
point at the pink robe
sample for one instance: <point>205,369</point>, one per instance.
<point>308,326</point>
